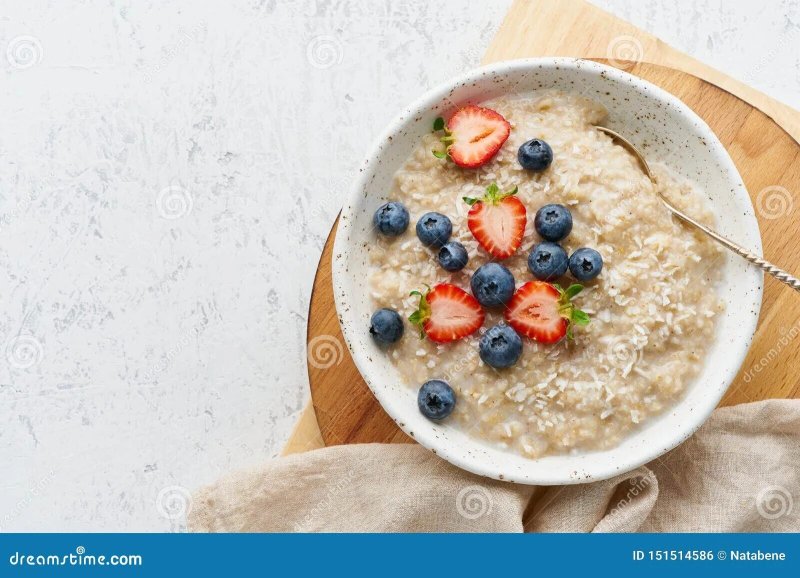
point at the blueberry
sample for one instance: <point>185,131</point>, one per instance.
<point>553,222</point>
<point>500,346</point>
<point>535,155</point>
<point>391,219</point>
<point>453,256</point>
<point>434,229</point>
<point>585,264</point>
<point>548,261</point>
<point>492,284</point>
<point>386,326</point>
<point>436,399</point>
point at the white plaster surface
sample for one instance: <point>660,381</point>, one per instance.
<point>168,175</point>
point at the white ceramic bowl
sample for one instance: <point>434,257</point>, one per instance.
<point>659,124</point>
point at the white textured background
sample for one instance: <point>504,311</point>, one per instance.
<point>168,175</point>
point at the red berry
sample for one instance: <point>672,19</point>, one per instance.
<point>447,313</point>
<point>545,312</point>
<point>474,135</point>
<point>497,221</point>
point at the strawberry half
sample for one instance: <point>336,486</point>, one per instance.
<point>447,313</point>
<point>497,221</point>
<point>473,135</point>
<point>545,312</point>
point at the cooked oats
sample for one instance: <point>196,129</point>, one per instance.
<point>653,307</point>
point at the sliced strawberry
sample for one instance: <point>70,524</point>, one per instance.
<point>545,312</point>
<point>497,221</point>
<point>473,135</point>
<point>447,313</point>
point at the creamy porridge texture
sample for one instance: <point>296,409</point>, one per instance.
<point>652,308</point>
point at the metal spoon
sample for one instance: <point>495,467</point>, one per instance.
<point>776,272</point>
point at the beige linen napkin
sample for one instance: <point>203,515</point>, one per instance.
<point>739,473</point>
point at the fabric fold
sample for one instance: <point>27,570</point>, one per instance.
<point>739,472</point>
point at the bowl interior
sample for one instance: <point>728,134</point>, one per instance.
<point>657,123</point>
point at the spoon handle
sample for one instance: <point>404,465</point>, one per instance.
<point>776,272</point>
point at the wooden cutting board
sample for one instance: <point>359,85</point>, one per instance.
<point>765,153</point>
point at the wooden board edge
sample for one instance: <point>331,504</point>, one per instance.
<point>607,28</point>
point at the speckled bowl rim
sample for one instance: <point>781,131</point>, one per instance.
<point>431,437</point>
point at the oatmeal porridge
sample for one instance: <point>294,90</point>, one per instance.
<point>652,307</point>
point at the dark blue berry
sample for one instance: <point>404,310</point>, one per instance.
<point>492,284</point>
<point>391,219</point>
<point>547,261</point>
<point>585,264</point>
<point>434,229</point>
<point>535,155</point>
<point>386,326</point>
<point>500,346</point>
<point>553,222</point>
<point>436,399</point>
<point>453,256</point>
